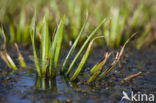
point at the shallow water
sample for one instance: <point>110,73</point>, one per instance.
<point>24,87</point>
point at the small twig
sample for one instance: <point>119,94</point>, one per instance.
<point>129,78</point>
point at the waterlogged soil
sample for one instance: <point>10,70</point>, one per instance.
<point>24,87</point>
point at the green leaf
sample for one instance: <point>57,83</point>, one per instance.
<point>141,39</point>
<point>59,38</point>
<point>20,28</point>
<point>99,67</point>
<point>44,47</point>
<point>56,46</point>
<point>33,36</point>
<point>12,33</point>
<point>73,47</point>
<point>84,59</point>
<point>114,27</point>
<point>95,68</point>
<point>11,62</point>
<point>84,46</point>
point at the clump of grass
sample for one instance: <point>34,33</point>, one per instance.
<point>74,16</point>
<point>125,18</point>
<point>51,47</point>
<point>114,28</point>
<point>84,46</point>
<point>84,59</point>
<point>139,17</point>
<point>49,54</point>
<point>17,32</point>
<point>6,57</point>
<point>97,69</point>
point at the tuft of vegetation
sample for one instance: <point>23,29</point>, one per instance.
<point>119,22</point>
<point>50,50</point>
<point>84,46</point>
<point>84,59</point>
<point>97,69</point>
<point>6,57</point>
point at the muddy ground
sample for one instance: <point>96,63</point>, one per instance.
<point>23,86</point>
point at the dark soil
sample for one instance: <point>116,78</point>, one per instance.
<point>24,87</point>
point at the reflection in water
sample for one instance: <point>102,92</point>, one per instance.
<point>70,83</point>
<point>50,83</point>
<point>46,83</point>
<point>50,88</point>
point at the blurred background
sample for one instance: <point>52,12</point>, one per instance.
<point>123,18</point>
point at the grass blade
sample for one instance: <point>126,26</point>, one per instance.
<point>2,39</point>
<point>20,27</point>
<point>99,64</point>
<point>84,46</point>
<point>5,59</point>
<point>98,68</point>
<point>13,66</point>
<point>139,42</point>
<point>114,27</point>
<point>56,46</point>
<point>33,36</point>
<point>84,59</point>
<point>73,47</point>
<point>12,33</point>
<point>59,38</point>
<point>20,57</point>
<point>44,47</point>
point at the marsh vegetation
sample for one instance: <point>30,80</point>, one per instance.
<point>51,50</point>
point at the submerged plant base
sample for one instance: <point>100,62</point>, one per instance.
<point>45,83</point>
